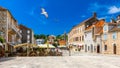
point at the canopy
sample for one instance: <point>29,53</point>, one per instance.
<point>20,45</point>
<point>1,44</point>
<point>46,46</point>
<point>62,46</point>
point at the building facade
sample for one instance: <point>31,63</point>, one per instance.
<point>89,42</point>
<point>62,42</point>
<point>97,35</point>
<point>77,34</point>
<point>27,34</point>
<point>111,40</point>
<point>9,30</point>
<point>51,39</point>
<point>40,41</point>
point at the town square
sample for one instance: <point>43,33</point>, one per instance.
<point>80,60</point>
<point>59,34</point>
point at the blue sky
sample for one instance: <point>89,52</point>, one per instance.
<point>63,14</point>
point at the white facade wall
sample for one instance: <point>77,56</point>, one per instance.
<point>98,42</point>
<point>89,43</point>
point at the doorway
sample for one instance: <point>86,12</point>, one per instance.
<point>85,48</point>
<point>98,48</point>
<point>114,49</point>
<point>91,48</point>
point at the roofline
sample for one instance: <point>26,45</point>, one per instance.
<point>9,12</point>
<point>24,26</point>
<point>83,22</point>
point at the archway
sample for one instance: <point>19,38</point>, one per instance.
<point>114,49</point>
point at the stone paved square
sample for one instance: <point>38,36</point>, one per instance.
<point>79,61</point>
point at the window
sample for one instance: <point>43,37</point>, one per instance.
<point>105,36</point>
<point>88,48</point>
<point>76,39</point>
<point>28,41</point>
<point>105,47</point>
<point>82,38</point>
<point>28,31</point>
<point>105,28</point>
<point>81,29</point>
<point>20,31</point>
<point>94,48</point>
<point>28,36</point>
<point>93,31</point>
<point>91,48</point>
<point>119,26</point>
<point>85,48</point>
<point>114,35</point>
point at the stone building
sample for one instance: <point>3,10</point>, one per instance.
<point>9,29</point>
<point>98,31</point>
<point>27,34</point>
<point>51,39</point>
<point>111,40</point>
<point>90,36</point>
<point>76,36</point>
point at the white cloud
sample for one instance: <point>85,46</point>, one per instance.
<point>113,10</point>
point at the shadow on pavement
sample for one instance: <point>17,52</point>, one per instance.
<point>6,59</point>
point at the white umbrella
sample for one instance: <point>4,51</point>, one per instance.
<point>46,46</point>
<point>1,44</point>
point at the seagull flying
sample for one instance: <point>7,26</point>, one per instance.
<point>44,12</point>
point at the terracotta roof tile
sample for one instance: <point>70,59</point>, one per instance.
<point>99,27</point>
<point>89,27</point>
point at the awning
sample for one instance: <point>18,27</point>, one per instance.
<point>80,44</point>
<point>46,46</point>
<point>62,46</point>
<point>1,44</point>
<point>20,45</point>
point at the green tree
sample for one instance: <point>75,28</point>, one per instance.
<point>62,37</point>
<point>55,44</point>
<point>1,40</point>
<point>59,37</point>
<point>41,36</point>
<point>36,36</point>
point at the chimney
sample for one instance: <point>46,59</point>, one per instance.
<point>94,14</point>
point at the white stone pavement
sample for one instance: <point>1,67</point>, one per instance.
<point>82,60</point>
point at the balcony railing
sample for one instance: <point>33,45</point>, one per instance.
<point>14,28</point>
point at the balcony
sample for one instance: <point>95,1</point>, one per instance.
<point>15,28</point>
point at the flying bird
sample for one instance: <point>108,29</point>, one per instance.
<point>44,12</point>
